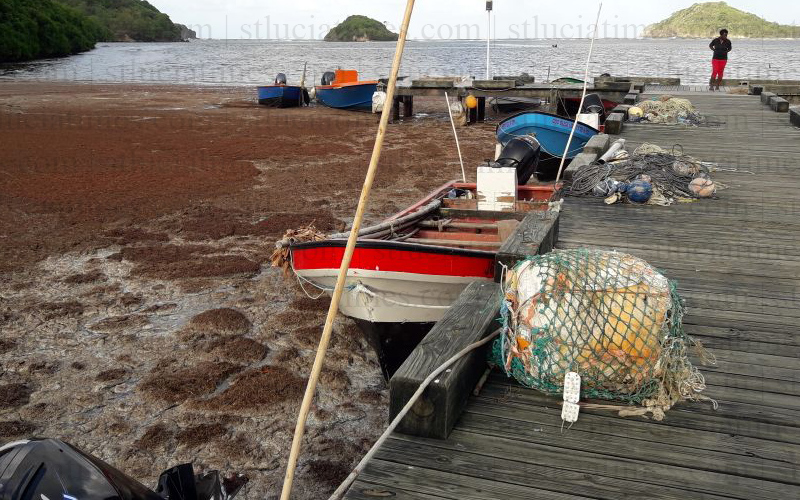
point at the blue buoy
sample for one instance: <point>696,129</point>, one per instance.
<point>640,191</point>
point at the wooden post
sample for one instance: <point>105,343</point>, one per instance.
<point>536,235</point>
<point>408,106</point>
<point>468,320</point>
<point>481,109</point>
<point>395,109</point>
<point>341,280</point>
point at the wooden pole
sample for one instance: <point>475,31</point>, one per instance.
<point>348,256</point>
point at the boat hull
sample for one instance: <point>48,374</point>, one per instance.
<point>552,132</point>
<point>514,104</point>
<point>393,282</point>
<point>393,343</point>
<point>347,96</point>
<point>395,292</point>
<point>571,105</point>
<point>280,96</point>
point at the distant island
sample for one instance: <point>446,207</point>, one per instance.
<point>360,29</point>
<point>35,29</point>
<point>704,20</point>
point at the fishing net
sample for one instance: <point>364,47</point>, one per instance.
<point>670,110</point>
<point>671,174</point>
<point>608,316</point>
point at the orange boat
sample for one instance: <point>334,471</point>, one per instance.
<point>343,90</point>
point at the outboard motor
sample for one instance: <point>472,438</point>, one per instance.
<point>523,154</point>
<point>53,469</point>
<point>593,104</point>
<point>280,79</point>
<point>328,77</point>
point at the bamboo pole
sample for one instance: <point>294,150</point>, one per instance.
<point>583,95</point>
<point>348,256</point>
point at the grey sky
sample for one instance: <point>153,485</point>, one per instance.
<point>447,19</point>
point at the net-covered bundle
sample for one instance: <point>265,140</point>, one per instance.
<point>608,316</point>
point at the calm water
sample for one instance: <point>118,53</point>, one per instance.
<point>250,62</point>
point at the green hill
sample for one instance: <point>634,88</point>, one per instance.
<point>704,20</point>
<point>31,29</point>
<point>35,29</point>
<point>129,20</point>
<point>360,29</point>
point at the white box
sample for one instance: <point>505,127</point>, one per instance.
<point>497,189</point>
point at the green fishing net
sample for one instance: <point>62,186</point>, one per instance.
<point>608,316</point>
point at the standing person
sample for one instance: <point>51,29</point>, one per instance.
<point>721,46</point>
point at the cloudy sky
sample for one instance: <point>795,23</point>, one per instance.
<point>441,19</point>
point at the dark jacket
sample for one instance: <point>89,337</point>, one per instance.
<point>721,48</point>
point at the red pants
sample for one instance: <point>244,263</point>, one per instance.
<point>718,66</point>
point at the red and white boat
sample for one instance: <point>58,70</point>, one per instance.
<point>407,271</point>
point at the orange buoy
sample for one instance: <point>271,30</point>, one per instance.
<point>471,102</point>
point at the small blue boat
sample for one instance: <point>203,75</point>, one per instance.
<point>552,132</point>
<point>281,95</point>
<point>343,90</point>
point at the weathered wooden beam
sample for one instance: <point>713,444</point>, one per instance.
<point>779,104</point>
<point>631,98</point>
<point>458,213</point>
<point>765,96</point>
<point>615,123</point>
<point>794,116</point>
<point>756,89</point>
<point>408,106</point>
<point>622,108</point>
<point>581,160</point>
<point>468,320</point>
<point>598,144</point>
<point>536,235</point>
<point>396,109</point>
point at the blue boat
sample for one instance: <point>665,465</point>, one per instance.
<point>552,132</point>
<point>343,90</point>
<point>281,96</point>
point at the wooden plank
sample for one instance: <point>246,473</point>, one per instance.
<point>522,462</point>
<point>588,436</point>
<point>455,213</point>
<point>609,424</point>
<point>363,490</point>
<point>443,484</point>
<point>536,235</point>
<point>454,243</point>
<point>687,414</point>
<point>468,320</point>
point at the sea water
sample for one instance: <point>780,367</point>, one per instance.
<point>256,62</point>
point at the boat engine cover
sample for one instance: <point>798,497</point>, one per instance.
<point>328,78</point>
<point>523,154</point>
<point>280,79</point>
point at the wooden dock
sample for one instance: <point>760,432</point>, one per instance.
<point>737,260</point>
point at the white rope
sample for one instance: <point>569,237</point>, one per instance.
<point>583,95</point>
<point>342,489</point>
<point>300,281</point>
<point>455,134</point>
